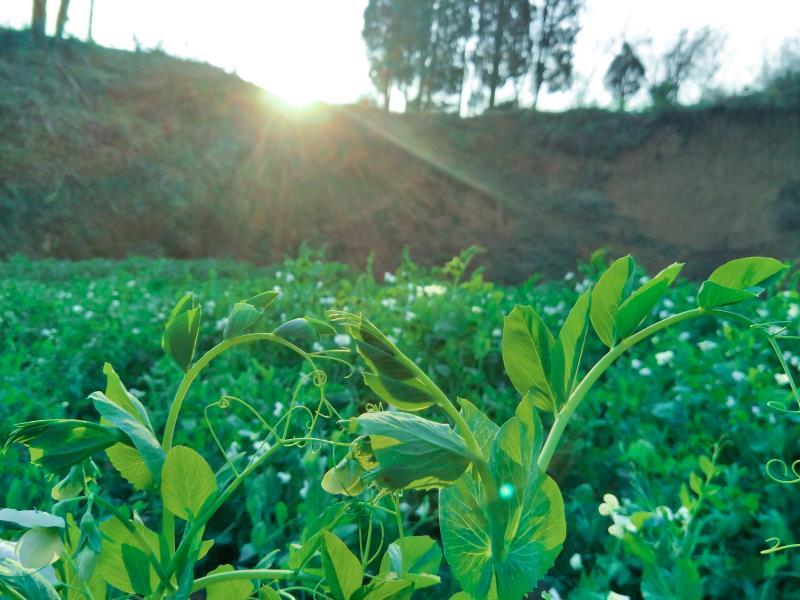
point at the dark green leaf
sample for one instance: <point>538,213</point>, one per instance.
<point>636,308</point>
<point>137,566</point>
<point>242,317</point>
<point>415,559</point>
<point>412,452</point>
<point>610,290</point>
<point>565,357</point>
<point>410,394</point>
<point>181,331</point>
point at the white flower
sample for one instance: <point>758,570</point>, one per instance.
<point>389,302</point>
<point>668,303</point>
<point>645,372</point>
<point>389,278</point>
<point>221,323</point>
<point>730,402</point>
<point>755,410</point>
<point>342,339</point>
<point>643,279</point>
<point>663,314</point>
<point>304,490</point>
<point>316,347</point>
<point>665,512</point>
<point>131,283</point>
<point>136,331</point>
<point>665,357</point>
<point>576,562</point>
<point>434,289</point>
<point>277,288</point>
<point>609,506</point>
<point>289,278</point>
<point>683,514</point>
<point>284,477</point>
<point>569,276</point>
<point>477,310</point>
<point>782,378</point>
<point>77,308</point>
<point>277,409</point>
<point>617,530</point>
<point>554,593</point>
<point>88,314</point>
<point>738,376</point>
<point>410,315</point>
<point>794,311</point>
<point>496,332</point>
<point>616,596</point>
<point>684,336</point>
<point>327,300</point>
<point>636,364</point>
<point>706,345</point>
<point>115,303</point>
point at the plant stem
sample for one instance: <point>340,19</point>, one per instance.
<point>167,518</point>
<point>580,391</point>
<point>250,574</point>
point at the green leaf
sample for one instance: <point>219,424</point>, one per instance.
<point>119,395</point>
<point>186,482</point>
<point>530,517</point>
<point>635,309</point>
<point>39,547</point>
<point>738,280</point>
<point>387,365</point>
<point>57,445</point>
<point>142,437</point>
<point>181,331</point>
<point>263,300</point>
<point>344,478</point>
<point>415,559</point>
<point>297,329</point>
<point>137,566</point>
<point>527,345</point>
<point>130,464</point>
<point>111,563</point>
<point>412,452</point>
<point>343,572</point>
<point>239,589</point>
<point>30,518</point>
<point>267,593</point>
<point>411,394</point>
<point>610,290</point>
<point>242,317</point>
<point>384,589</point>
<point>30,584</point>
<point>565,356</point>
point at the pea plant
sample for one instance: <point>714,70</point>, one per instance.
<point>501,516</point>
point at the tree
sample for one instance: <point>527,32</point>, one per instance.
<point>555,27</point>
<point>61,19</point>
<point>690,58</point>
<point>39,20</point>
<point>447,63</point>
<point>503,42</point>
<point>625,75</point>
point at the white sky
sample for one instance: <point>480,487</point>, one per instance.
<point>306,50</point>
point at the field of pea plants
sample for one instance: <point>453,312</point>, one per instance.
<point>212,429</point>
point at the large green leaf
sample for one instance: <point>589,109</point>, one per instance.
<point>186,482</point>
<point>412,452</point>
<point>112,565</point>
<point>634,310</point>
<point>39,547</point>
<point>119,395</point>
<point>30,518</point>
<point>243,317</point>
<point>137,565</point>
<point>142,437</point>
<point>59,444</point>
<point>610,290</point>
<point>181,331</point>
<point>411,394</point>
<point>529,517</point>
<point>738,280</point>
<point>343,572</point>
<point>527,346</point>
<point>130,464</point>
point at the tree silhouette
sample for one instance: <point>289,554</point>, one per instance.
<point>625,75</point>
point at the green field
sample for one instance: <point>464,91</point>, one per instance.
<point>644,433</point>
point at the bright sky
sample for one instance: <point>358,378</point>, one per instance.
<point>307,50</point>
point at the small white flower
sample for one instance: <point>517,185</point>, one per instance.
<point>576,562</point>
<point>616,596</point>
<point>665,512</point>
<point>782,378</point>
<point>609,506</point>
<point>730,402</point>
<point>617,530</point>
<point>284,477</point>
<point>569,276</point>
<point>316,347</point>
<point>327,300</point>
<point>794,311</point>
<point>683,514</point>
<point>684,336</point>
<point>88,314</point>
<point>755,410</point>
<point>221,323</point>
<point>477,310</point>
<point>389,278</point>
<point>277,409</point>
<point>131,283</point>
<point>554,593</point>
<point>665,357</point>
<point>210,305</point>
<point>496,332</point>
<point>277,288</point>
<point>706,345</point>
<point>663,314</point>
<point>433,289</point>
<point>636,364</point>
<point>738,376</point>
<point>643,279</point>
<point>342,339</point>
<point>115,303</point>
<point>77,308</point>
<point>289,278</point>
<point>304,490</point>
<point>668,303</point>
<point>136,331</point>
<point>645,372</point>
<point>389,302</point>
<point>410,315</point>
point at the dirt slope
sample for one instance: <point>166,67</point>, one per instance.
<point>108,153</point>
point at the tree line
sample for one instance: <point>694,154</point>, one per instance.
<point>39,20</point>
<point>442,53</point>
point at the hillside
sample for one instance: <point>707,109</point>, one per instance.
<point>111,153</point>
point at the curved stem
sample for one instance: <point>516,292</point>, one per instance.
<point>168,519</point>
<point>249,574</point>
<point>579,393</point>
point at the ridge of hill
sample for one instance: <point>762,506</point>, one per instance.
<point>112,153</point>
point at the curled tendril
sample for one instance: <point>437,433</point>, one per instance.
<point>318,377</point>
<point>776,546</point>
<point>782,407</point>
<point>371,408</point>
<point>785,468</point>
<point>224,402</point>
